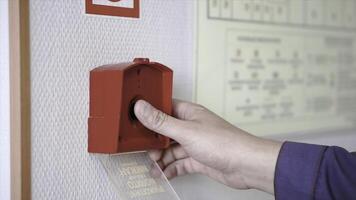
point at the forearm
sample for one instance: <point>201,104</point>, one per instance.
<point>256,161</point>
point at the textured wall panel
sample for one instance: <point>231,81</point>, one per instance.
<point>65,45</point>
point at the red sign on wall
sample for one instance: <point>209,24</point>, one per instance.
<point>122,8</point>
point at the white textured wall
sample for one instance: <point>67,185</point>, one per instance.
<point>65,45</point>
<point>4,103</point>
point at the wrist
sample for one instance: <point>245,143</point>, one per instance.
<point>256,160</point>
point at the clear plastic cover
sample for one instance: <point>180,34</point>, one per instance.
<point>136,176</point>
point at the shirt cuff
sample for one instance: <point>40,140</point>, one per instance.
<point>297,170</point>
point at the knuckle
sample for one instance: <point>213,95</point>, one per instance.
<point>200,108</point>
<point>197,111</point>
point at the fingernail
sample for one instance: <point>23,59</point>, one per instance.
<point>168,175</point>
<point>140,107</point>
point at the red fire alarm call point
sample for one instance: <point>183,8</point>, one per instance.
<point>114,89</point>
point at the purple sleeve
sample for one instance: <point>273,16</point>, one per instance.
<point>306,171</point>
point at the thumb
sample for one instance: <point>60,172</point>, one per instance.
<point>159,121</point>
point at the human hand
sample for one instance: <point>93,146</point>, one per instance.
<point>211,146</point>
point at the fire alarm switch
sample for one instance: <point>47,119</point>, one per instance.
<point>114,89</point>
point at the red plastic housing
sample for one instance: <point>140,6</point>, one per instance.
<point>114,89</point>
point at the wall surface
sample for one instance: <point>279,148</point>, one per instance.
<point>4,103</point>
<point>65,45</point>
